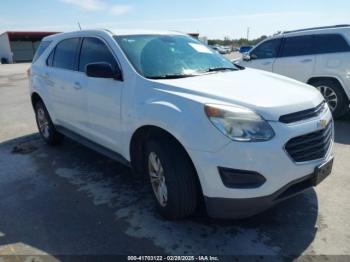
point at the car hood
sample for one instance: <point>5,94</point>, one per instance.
<point>268,94</point>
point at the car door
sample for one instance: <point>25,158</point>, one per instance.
<point>263,56</point>
<point>103,95</point>
<point>297,58</point>
<point>66,89</point>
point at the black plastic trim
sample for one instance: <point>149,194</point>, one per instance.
<point>310,146</point>
<point>303,115</point>
<point>236,178</point>
<point>92,145</point>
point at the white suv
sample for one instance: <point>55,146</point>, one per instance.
<point>317,56</point>
<point>172,108</point>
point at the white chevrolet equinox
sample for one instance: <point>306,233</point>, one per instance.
<point>171,108</point>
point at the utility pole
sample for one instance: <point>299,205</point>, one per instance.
<point>79,25</point>
<point>248,29</point>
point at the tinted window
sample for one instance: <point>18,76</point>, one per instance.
<point>297,46</point>
<point>42,47</point>
<point>65,53</point>
<point>330,43</point>
<point>268,49</point>
<point>93,51</point>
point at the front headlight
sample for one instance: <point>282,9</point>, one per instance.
<point>239,124</point>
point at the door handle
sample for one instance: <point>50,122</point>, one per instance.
<point>306,60</point>
<point>77,86</point>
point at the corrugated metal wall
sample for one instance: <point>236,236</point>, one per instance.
<point>23,51</point>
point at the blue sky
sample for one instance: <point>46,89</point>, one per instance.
<point>215,19</point>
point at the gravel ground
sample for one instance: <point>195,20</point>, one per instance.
<point>69,200</point>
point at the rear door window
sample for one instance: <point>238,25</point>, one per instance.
<point>330,43</point>
<point>297,46</point>
<point>42,47</point>
<point>268,49</point>
<point>94,50</point>
<point>65,54</point>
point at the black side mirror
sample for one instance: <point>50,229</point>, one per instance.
<point>102,70</point>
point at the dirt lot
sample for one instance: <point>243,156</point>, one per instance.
<point>69,200</point>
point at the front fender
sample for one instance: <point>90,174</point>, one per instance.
<point>182,118</point>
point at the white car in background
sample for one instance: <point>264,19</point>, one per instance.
<point>317,56</point>
<point>195,124</point>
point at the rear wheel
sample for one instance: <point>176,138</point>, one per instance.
<point>46,128</point>
<point>334,95</point>
<point>172,178</point>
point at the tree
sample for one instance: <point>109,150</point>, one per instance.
<point>236,42</point>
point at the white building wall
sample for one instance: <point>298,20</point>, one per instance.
<point>5,48</point>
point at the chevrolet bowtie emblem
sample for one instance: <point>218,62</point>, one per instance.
<point>323,123</point>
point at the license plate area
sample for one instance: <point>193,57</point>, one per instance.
<point>322,171</point>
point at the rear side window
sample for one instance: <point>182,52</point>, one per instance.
<point>330,43</point>
<point>297,46</point>
<point>268,49</point>
<point>93,50</point>
<point>42,47</point>
<point>65,54</point>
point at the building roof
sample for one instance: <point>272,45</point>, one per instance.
<point>27,34</point>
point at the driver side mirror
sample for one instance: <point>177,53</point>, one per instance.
<point>102,70</point>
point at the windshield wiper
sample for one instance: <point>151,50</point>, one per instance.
<point>171,76</point>
<point>176,76</point>
<point>217,69</point>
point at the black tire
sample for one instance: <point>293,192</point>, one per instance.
<point>51,137</point>
<point>343,102</point>
<point>179,176</point>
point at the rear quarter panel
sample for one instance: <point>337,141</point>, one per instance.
<point>335,65</point>
<point>38,84</point>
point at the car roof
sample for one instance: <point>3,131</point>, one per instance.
<point>317,30</point>
<point>144,32</point>
<point>310,31</point>
<point>111,32</point>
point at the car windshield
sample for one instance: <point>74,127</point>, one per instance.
<point>171,56</point>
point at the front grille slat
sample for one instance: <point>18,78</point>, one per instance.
<point>304,143</point>
<point>308,148</point>
<point>319,153</point>
<point>311,146</point>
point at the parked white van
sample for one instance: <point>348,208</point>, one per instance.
<point>317,56</point>
<point>171,108</point>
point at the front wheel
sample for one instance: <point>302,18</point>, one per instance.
<point>172,178</point>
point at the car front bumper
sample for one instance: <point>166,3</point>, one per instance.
<point>266,158</point>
